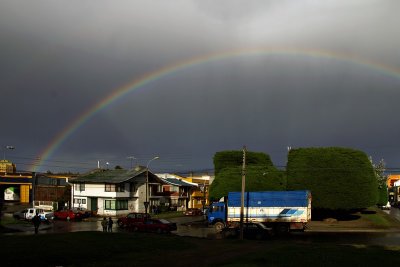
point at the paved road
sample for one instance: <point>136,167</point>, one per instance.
<point>187,226</point>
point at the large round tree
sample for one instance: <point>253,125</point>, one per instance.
<point>338,178</point>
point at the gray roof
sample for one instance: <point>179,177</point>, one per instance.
<point>96,176</point>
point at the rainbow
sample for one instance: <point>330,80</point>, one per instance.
<point>124,90</point>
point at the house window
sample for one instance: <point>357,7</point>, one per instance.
<point>80,187</point>
<point>80,200</point>
<point>111,204</point>
<point>114,188</point>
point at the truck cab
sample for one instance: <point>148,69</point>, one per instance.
<point>217,215</point>
<point>44,215</point>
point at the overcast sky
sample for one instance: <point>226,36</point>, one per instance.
<point>59,58</point>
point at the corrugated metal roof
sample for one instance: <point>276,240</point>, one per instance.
<point>179,182</point>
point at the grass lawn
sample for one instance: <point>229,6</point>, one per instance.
<point>142,249</point>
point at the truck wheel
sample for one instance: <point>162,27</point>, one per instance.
<point>219,226</point>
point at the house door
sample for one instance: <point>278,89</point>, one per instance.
<point>93,204</point>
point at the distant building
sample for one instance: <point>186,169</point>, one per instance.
<point>200,197</point>
<point>7,167</point>
<point>392,179</point>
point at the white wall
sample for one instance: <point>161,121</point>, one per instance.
<point>135,199</point>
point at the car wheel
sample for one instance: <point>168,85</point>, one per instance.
<point>282,229</point>
<point>68,218</point>
<point>259,236</point>
<point>135,229</point>
<point>160,231</point>
<point>121,224</point>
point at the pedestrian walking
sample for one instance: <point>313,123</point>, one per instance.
<point>104,223</point>
<point>110,224</point>
<point>36,222</point>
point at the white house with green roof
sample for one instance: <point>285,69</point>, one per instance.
<point>116,192</point>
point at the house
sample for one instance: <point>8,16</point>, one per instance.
<point>50,190</point>
<point>178,191</point>
<point>116,192</point>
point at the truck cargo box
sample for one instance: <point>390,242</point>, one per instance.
<point>270,206</point>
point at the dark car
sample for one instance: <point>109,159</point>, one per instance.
<point>155,225</point>
<point>84,212</point>
<point>193,212</point>
<point>250,231</point>
<point>132,218</point>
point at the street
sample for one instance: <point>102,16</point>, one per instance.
<point>194,227</point>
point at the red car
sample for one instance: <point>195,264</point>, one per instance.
<point>132,218</point>
<point>155,225</point>
<point>67,214</point>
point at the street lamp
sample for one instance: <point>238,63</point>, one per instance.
<point>5,148</point>
<point>146,203</point>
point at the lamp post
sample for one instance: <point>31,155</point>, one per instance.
<point>131,158</point>
<point>146,203</point>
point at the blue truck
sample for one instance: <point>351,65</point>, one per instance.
<point>282,211</point>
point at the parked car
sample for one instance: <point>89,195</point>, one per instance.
<point>193,212</point>
<point>68,214</point>
<point>132,218</point>
<point>250,231</point>
<point>20,215</point>
<point>155,225</point>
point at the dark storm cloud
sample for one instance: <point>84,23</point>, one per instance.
<point>61,57</point>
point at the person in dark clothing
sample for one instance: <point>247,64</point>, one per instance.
<point>110,224</point>
<point>36,222</point>
<point>104,223</point>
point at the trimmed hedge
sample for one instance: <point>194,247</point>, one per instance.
<point>261,175</point>
<point>338,178</point>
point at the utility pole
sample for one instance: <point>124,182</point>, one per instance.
<point>243,190</point>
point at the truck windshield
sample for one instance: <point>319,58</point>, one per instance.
<point>217,208</point>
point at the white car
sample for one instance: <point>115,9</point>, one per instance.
<point>386,207</point>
